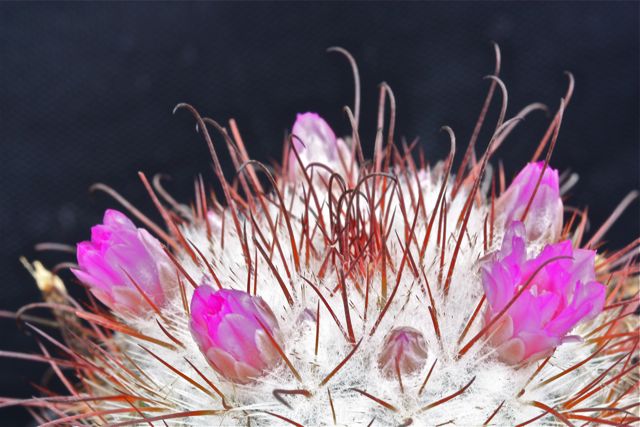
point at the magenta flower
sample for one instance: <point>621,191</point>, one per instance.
<point>561,295</point>
<point>404,351</point>
<point>544,219</point>
<point>230,327</point>
<point>315,142</point>
<point>119,254</point>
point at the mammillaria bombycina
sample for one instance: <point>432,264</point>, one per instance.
<point>351,291</point>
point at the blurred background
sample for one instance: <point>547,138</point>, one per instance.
<point>87,92</point>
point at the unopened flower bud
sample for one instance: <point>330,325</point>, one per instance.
<point>315,142</point>
<point>121,262</point>
<point>544,217</point>
<point>404,351</point>
<point>232,329</point>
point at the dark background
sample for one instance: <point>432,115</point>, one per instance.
<point>87,90</point>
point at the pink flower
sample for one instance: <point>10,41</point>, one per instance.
<point>315,142</point>
<point>230,327</point>
<point>544,219</point>
<point>404,351</point>
<point>117,249</point>
<point>561,295</point>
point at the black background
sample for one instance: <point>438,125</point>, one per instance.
<point>87,90</point>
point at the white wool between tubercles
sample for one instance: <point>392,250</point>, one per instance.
<point>492,382</point>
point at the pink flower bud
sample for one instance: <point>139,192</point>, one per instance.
<point>118,255</point>
<point>544,218</point>
<point>315,142</point>
<point>561,295</point>
<point>230,327</point>
<point>404,351</point>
